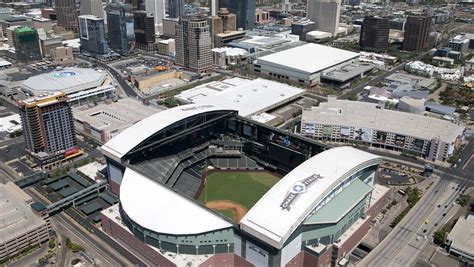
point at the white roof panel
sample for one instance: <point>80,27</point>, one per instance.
<point>248,97</point>
<point>69,81</point>
<point>331,165</point>
<point>139,132</point>
<point>309,58</point>
<point>157,208</point>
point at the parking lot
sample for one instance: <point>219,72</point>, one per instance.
<point>123,67</point>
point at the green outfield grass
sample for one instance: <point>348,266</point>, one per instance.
<point>244,188</point>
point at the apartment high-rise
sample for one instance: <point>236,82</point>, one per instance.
<point>175,8</point>
<point>120,27</point>
<point>92,35</point>
<point>48,124</point>
<point>144,27</point>
<point>193,44</point>
<point>92,7</point>
<point>326,14</point>
<point>417,30</point>
<point>156,8</point>
<point>243,9</point>
<point>66,14</point>
<point>26,43</point>
<point>374,34</point>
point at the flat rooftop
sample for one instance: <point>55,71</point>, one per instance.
<point>248,97</point>
<point>462,235</point>
<point>16,216</point>
<point>309,58</point>
<point>115,116</point>
<point>368,115</point>
<point>347,72</point>
<point>404,78</point>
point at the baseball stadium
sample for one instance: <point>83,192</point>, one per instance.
<point>200,185</point>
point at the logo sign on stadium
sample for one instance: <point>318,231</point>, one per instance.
<point>63,74</point>
<point>298,188</point>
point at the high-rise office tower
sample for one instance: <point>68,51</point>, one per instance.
<point>223,22</point>
<point>66,14</point>
<point>374,34</point>
<point>92,35</point>
<point>175,8</point>
<point>417,29</point>
<point>120,27</point>
<point>193,44</point>
<point>326,14</point>
<point>156,8</point>
<point>92,7</point>
<point>137,4</point>
<point>48,124</point>
<point>243,9</point>
<point>285,5</point>
<point>144,27</point>
<point>26,43</point>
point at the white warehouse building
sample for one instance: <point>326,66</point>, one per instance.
<point>303,64</point>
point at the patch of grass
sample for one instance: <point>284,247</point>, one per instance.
<point>244,188</point>
<point>227,213</point>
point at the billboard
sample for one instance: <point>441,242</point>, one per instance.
<point>345,132</point>
<point>399,140</point>
<point>363,134</point>
<point>381,137</point>
<point>327,131</point>
<point>309,128</point>
<point>418,144</point>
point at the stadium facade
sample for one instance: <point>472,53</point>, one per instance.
<point>314,216</point>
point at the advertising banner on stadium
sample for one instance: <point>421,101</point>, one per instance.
<point>381,137</point>
<point>327,131</point>
<point>363,134</point>
<point>399,140</point>
<point>309,128</point>
<point>345,132</point>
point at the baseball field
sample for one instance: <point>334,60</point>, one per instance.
<point>234,193</point>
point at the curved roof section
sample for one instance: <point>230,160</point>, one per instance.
<point>307,190</point>
<point>157,208</point>
<point>123,143</point>
<point>69,81</point>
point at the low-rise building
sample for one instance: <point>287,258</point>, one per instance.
<point>166,47</point>
<point>62,55</point>
<point>459,43</point>
<point>352,121</point>
<point>460,238</point>
<point>342,77</point>
<point>303,64</point>
<point>226,56</point>
<point>105,121</point>
<point>22,222</point>
<point>417,82</point>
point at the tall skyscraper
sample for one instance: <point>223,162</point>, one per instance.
<point>156,8</point>
<point>417,29</point>
<point>26,43</point>
<point>374,34</point>
<point>175,8</point>
<point>193,44</point>
<point>92,7</point>
<point>92,35</point>
<point>144,27</point>
<point>66,14</point>
<point>120,27</point>
<point>243,9</point>
<point>48,124</point>
<point>326,14</point>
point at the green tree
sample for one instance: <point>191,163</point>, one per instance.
<point>440,236</point>
<point>353,97</point>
